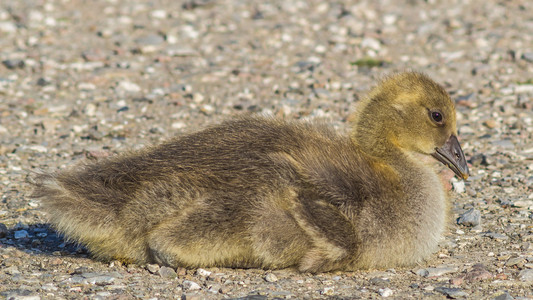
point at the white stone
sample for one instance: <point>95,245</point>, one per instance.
<point>203,272</point>
<point>390,19</point>
<point>386,292</point>
<point>35,16</point>
<point>178,125</point>
<point>172,39</point>
<point>128,87</point>
<point>90,110</point>
<point>198,98</point>
<point>86,86</point>
<point>190,285</point>
<point>329,290</point>
<point>459,186</point>
<point>320,49</point>
<point>371,43</point>
<point>37,148</point>
<point>49,287</point>
<point>8,27</point>
<point>271,277</point>
<point>159,14</point>
<point>523,88</point>
<point>523,203</point>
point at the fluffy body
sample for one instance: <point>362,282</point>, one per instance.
<point>260,192</point>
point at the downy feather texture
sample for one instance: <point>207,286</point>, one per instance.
<point>260,192</point>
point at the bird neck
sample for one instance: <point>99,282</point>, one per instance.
<point>374,133</point>
<point>377,144</point>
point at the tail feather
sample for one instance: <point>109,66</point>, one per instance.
<point>87,222</point>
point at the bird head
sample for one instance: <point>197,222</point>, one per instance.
<point>415,114</point>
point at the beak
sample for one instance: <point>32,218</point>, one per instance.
<point>452,155</point>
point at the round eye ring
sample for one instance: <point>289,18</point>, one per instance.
<point>436,116</point>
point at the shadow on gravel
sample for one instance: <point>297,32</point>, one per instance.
<point>40,239</point>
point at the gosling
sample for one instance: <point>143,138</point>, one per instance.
<point>259,192</point>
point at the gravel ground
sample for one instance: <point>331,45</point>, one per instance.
<point>86,79</point>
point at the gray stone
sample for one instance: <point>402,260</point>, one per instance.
<point>23,297</point>
<point>526,275</point>
<point>435,272</point>
<point>252,297</point>
<point>101,280</point>
<point>282,294</point>
<point>12,270</point>
<point>451,292</point>
<point>506,144</point>
<point>177,50</point>
<point>21,234</point>
<point>471,218</point>
<point>150,39</point>
<point>495,236</point>
<point>96,278</point>
<point>167,272</point>
<point>14,63</point>
<point>504,296</point>
<point>515,261</point>
<point>528,56</point>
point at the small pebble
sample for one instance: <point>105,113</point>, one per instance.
<point>21,234</point>
<point>150,39</point>
<point>503,296</point>
<point>12,270</point>
<point>495,236</point>
<point>190,285</point>
<point>203,272</point>
<point>523,204</point>
<point>458,186</point>
<point>526,275</point>
<point>152,268</point>
<point>127,87</point>
<point>386,292</point>
<point>96,278</point>
<point>14,63</point>
<point>329,290</point>
<point>435,272</point>
<point>167,272</point>
<point>158,14</point>
<point>478,273</point>
<point>490,123</point>
<point>515,261</point>
<point>528,56</point>
<point>56,261</point>
<point>271,277</point>
<point>181,271</point>
<point>451,292</point>
<point>428,288</point>
<point>49,287</point>
<point>471,218</point>
<point>457,281</point>
<point>101,280</point>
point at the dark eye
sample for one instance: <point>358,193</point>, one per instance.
<point>436,116</point>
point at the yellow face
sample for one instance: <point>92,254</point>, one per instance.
<point>420,117</point>
<point>425,121</point>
